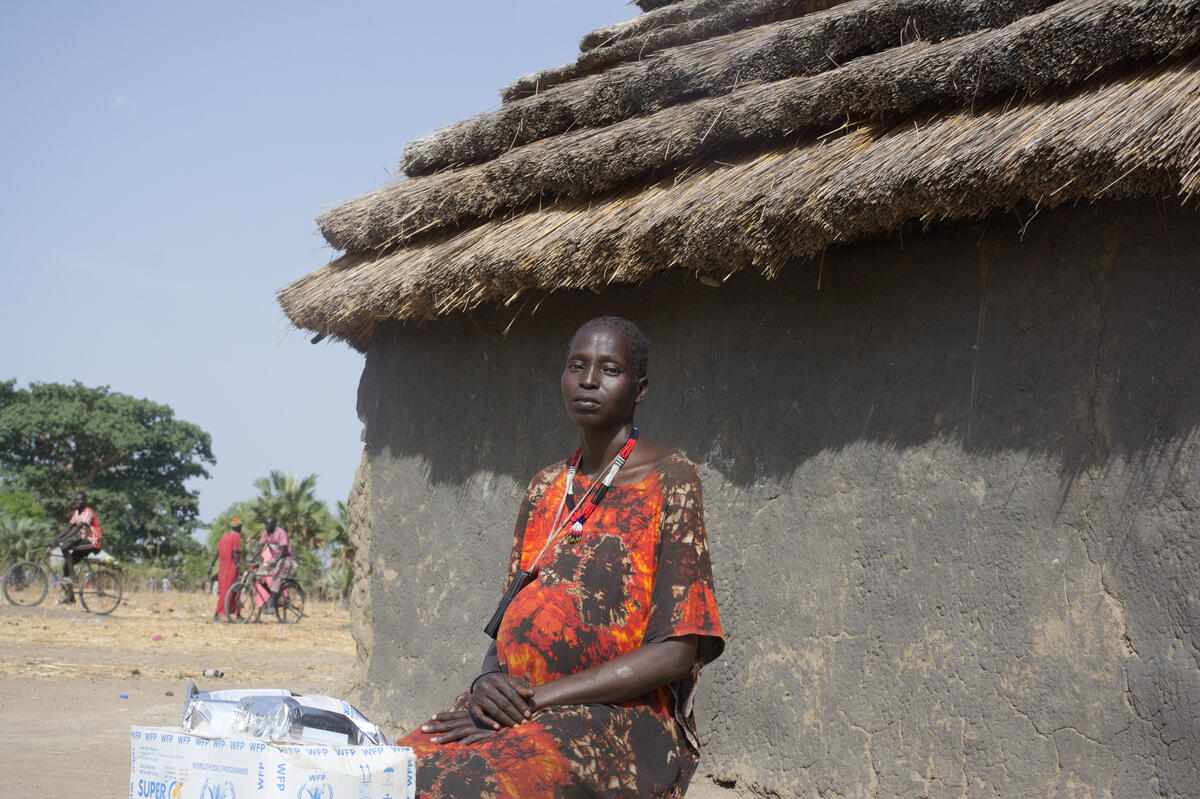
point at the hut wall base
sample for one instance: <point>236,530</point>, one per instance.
<point>953,495</point>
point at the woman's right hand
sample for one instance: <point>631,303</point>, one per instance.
<point>499,700</point>
<point>454,725</point>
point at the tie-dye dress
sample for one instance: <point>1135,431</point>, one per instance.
<point>640,573</point>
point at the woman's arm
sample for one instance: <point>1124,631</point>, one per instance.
<point>500,700</point>
<point>491,660</point>
<point>624,677</point>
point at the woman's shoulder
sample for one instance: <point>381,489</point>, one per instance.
<point>668,466</point>
<point>675,469</point>
<point>547,475</point>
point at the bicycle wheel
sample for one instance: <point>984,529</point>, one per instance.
<point>100,592</point>
<point>239,602</point>
<point>25,583</point>
<point>289,607</point>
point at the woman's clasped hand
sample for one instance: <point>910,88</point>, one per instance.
<point>495,700</point>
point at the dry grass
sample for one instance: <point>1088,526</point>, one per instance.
<point>72,682</point>
<point>648,5</point>
<point>681,13</point>
<point>1136,135</point>
<point>1066,44</point>
<point>52,642</point>
<point>754,148</point>
<point>808,45</point>
<point>670,26</point>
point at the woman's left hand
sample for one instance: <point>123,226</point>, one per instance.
<point>499,700</point>
<point>454,725</point>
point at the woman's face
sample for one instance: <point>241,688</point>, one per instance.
<point>600,385</point>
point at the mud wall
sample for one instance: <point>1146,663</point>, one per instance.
<point>951,490</point>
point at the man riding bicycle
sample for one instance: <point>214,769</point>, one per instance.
<point>80,539</point>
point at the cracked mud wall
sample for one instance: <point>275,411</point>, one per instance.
<point>951,496</point>
<point>358,516</point>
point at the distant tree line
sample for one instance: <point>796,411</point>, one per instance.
<point>131,456</point>
<point>324,558</point>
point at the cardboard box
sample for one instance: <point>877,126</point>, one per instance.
<point>168,764</point>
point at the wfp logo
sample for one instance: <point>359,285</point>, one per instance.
<point>322,791</point>
<point>155,789</point>
<point>217,790</point>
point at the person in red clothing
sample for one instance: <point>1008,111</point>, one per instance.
<point>587,689</point>
<point>80,539</point>
<point>229,553</point>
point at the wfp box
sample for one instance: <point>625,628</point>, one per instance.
<point>167,764</point>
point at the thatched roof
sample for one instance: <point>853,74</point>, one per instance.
<point>810,44</point>
<point>921,110</point>
<point>647,5</point>
<point>670,26</point>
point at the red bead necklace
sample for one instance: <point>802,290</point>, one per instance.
<point>588,505</point>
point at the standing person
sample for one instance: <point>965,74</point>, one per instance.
<point>588,687</point>
<point>80,539</point>
<point>229,553</point>
<point>276,552</point>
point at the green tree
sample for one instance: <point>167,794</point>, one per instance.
<point>318,539</point>
<point>341,553</point>
<point>251,525</point>
<point>22,538</point>
<point>131,456</point>
<point>22,505</point>
<point>294,504</point>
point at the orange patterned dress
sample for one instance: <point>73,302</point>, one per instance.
<point>639,574</point>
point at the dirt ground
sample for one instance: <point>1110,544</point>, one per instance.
<point>72,684</point>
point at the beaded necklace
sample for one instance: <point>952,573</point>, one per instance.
<point>587,505</point>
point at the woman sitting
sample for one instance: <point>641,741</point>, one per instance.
<point>588,688</point>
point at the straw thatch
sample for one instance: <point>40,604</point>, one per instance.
<point>1135,134</point>
<point>1060,47</point>
<point>736,13</point>
<point>648,5</point>
<point>767,143</point>
<point>670,26</point>
<point>810,44</point>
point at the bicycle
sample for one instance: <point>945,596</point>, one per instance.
<point>243,599</point>
<point>99,587</point>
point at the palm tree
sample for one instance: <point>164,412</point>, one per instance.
<point>341,552</point>
<point>22,538</point>
<point>295,506</point>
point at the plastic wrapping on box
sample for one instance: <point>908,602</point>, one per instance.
<point>368,732</point>
<point>234,694</point>
<point>214,714</point>
<point>278,716</point>
<point>211,718</point>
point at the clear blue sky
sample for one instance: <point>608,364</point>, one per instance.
<point>162,164</point>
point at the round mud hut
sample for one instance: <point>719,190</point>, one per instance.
<point>922,285</point>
